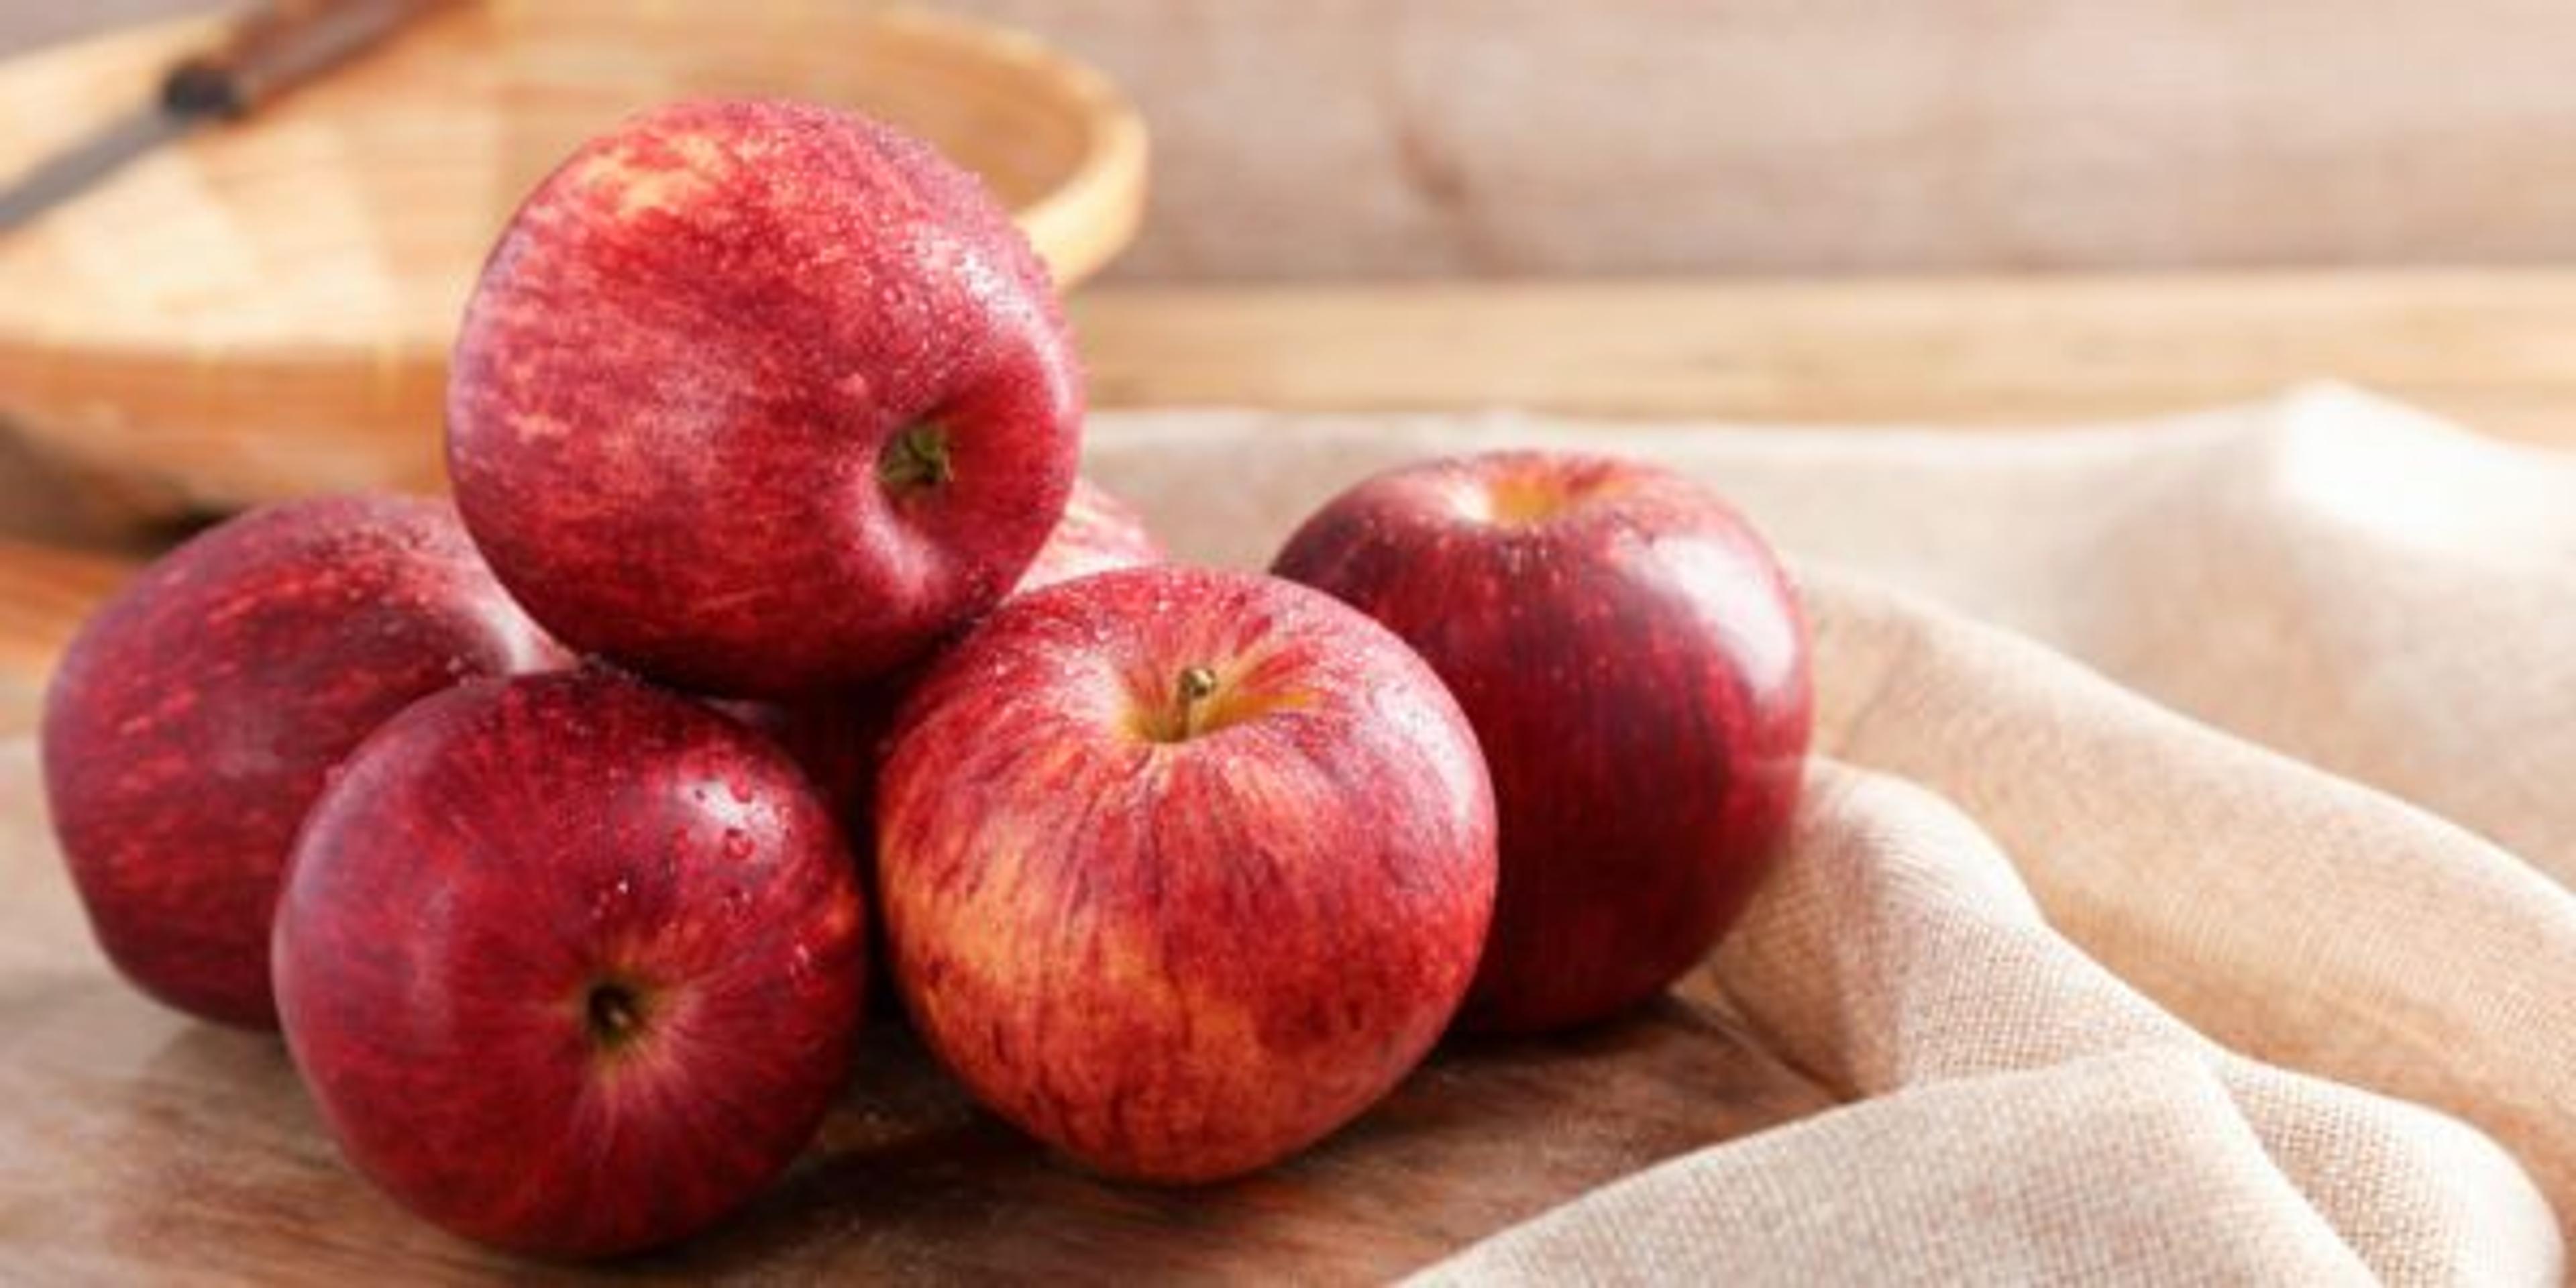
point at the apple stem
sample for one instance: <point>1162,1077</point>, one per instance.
<point>1197,684</point>
<point>917,456</point>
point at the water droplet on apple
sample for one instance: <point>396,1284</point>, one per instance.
<point>604,904</point>
<point>737,844</point>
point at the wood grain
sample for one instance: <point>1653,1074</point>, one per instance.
<point>265,310</point>
<point>2495,350</point>
<point>135,1145</point>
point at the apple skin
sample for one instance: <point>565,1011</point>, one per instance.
<point>687,405</point>
<point>832,738</point>
<point>1180,958</point>
<point>1635,664</point>
<point>195,716</point>
<point>572,965</point>
<point>1099,531</point>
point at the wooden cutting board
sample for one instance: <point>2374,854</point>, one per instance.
<point>136,1145</point>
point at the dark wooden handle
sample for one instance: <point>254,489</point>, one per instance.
<point>282,45</point>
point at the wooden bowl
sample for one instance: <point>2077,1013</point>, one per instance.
<point>265,310</point>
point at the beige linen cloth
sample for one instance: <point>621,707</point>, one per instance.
<point>2180,894</point>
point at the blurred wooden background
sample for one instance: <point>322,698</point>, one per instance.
<point>1434,137</point>
<point>1377,138</point>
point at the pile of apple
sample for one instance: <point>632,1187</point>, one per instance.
<point>771,630</point>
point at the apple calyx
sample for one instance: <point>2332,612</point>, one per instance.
<point>916,458</point>
<point>614,1013</point>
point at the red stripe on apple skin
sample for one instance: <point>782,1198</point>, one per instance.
<point>1179,961</point>
<point>686,357</point>
<point>483,862</point>
<point>194,718</point>
<point>1635,664</point>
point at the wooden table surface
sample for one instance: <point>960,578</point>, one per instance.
<point>2495,350</point>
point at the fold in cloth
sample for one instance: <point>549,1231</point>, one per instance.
<point>2179,895</point>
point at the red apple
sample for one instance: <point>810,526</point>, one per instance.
<point>1098,532</point>
<point>760,398</point>
<point>832,737</point>
<point>1635,664</point>
<point>838,740</point>
<point>571,965</point>
<point>193,720</point>
<point>1182,869</point>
